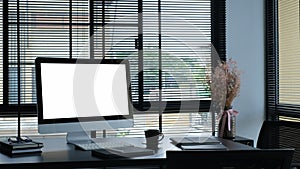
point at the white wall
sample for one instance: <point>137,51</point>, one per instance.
<point>245,44</point>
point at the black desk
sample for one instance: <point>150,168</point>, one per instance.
<point>57,154</point>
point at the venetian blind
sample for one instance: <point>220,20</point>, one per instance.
<point>288,35</point>
<point>170,55</point>
<point>282,64</point>
<point>289,52</point>
<point>168,43</point>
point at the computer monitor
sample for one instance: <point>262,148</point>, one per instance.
<point>76,96</point>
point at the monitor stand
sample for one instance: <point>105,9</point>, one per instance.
<point>80,137</point>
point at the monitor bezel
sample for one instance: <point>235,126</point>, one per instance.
<point>42,121</point>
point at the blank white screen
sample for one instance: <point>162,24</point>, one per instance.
<point>83,90</point>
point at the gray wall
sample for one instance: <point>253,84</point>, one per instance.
<point>245,44</point>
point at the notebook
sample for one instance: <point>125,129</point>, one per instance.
<point>204,147</point>
<point>198,143</point>
<point>179,141</point>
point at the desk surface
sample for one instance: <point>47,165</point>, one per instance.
<point>56,152</point>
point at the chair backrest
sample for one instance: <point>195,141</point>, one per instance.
<point>231,159</point>
<point>280,134</point>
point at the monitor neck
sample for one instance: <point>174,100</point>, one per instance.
<point>81,136</point>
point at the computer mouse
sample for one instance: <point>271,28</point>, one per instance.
<point>13,139</point>
<point>25,139</point>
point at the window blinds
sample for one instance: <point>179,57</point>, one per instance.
<point>289,52</point>
<point>283,82</point>
<point>175,52</point>
<point>168,43</point>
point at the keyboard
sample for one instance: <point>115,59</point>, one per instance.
<point>102,145</point>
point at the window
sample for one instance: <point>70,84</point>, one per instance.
<point>168,43</point>
<point>283,79</point>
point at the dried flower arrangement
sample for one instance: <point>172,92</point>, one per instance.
<point>225,83</point>
<point>225,86</point>
<point>233,81</point>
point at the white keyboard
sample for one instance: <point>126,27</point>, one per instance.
<point>102,145</point>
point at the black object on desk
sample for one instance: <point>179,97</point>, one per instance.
<point>16,148</point>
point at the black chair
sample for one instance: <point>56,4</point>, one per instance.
<point>231,159</point>
<point>281,134</point>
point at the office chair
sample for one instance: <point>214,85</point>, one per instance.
<point>281,134</point>
<point>231,159</point>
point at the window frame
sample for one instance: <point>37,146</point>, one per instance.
<point>218,39</point>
